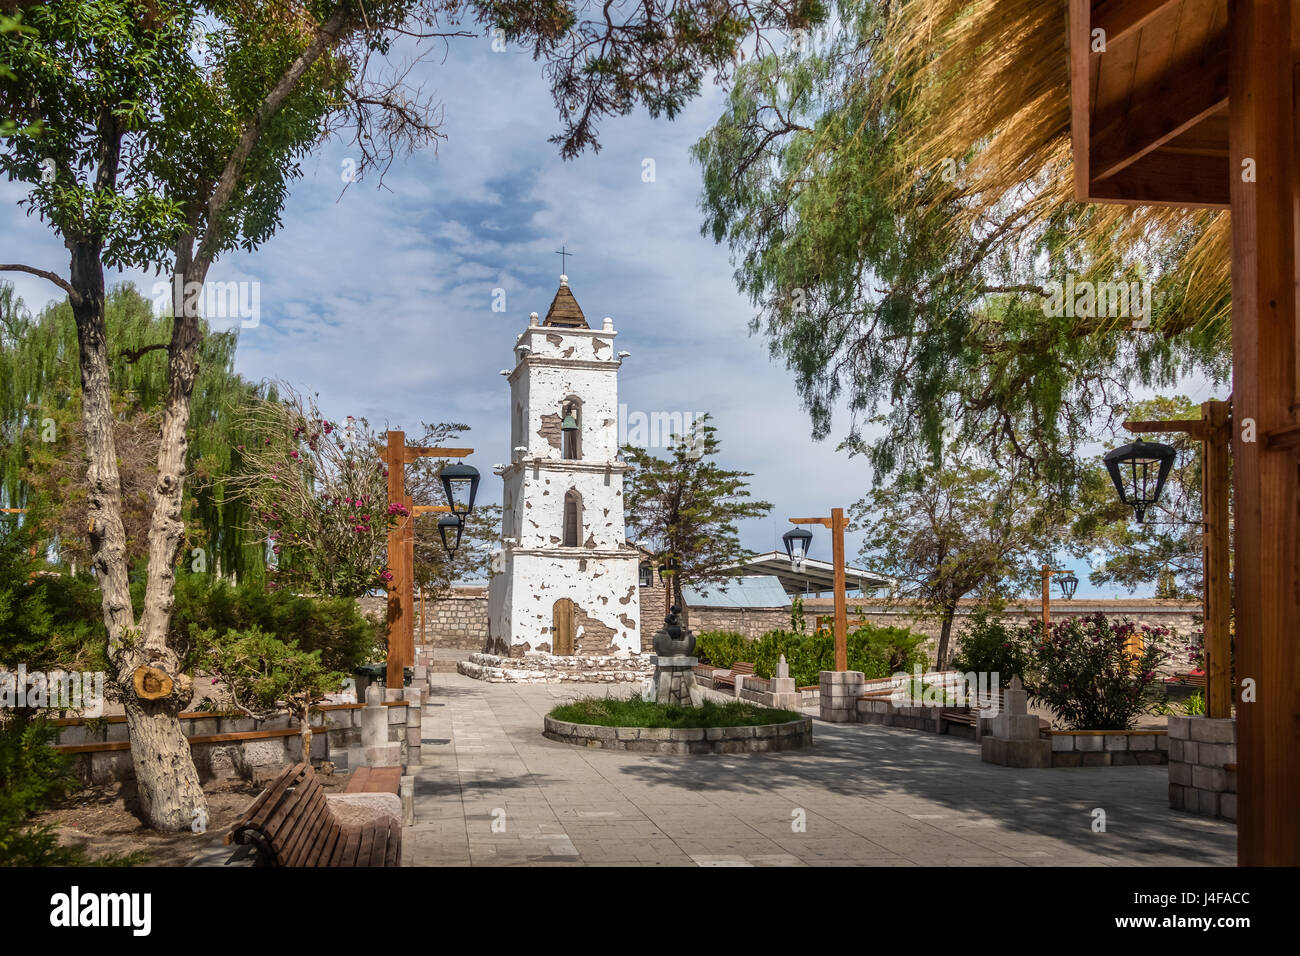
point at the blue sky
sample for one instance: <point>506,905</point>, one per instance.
<point>380,299</point>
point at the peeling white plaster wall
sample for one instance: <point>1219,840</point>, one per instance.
<point>600,575</point>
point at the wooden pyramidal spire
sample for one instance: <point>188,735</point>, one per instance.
<point>564,311</point>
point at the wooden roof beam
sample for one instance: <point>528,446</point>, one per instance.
<point>1163,178</point>
<point>1186,96</point>
<point>1119,18</point>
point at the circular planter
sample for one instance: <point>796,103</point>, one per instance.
<point>759,738</point>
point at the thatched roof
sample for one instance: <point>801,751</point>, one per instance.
<point>992,88</point>
<point>564,311</point>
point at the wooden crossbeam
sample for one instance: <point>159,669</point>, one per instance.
<point>824,522</point>
<point>1161,178</point>
<point>415,453</point>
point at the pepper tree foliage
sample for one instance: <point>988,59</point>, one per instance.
<point>966,529</point>
<point>686,506</point>
<point>1123,552</point>
<point>43,452</point>
<point>877,302</point>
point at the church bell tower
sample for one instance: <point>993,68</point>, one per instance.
<point>565,581</point>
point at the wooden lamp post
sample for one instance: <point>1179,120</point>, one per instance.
<point>836,524</point>
<point>1218,129</point>
<point>401,552</point>
<point>1213,430</point>
<point>1047,573</point>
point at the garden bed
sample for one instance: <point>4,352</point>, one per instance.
<point>646,727</point>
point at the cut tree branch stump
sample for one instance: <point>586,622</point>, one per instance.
<point>151,683</point>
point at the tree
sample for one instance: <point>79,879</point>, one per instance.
<point>686,507</point>
<point>854,237</point>
<point>144,148</point>
<point>1166,547</point>
<point>944,533</point>
<point>41,414</point>
<point>264,675</point>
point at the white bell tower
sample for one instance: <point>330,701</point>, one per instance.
<point>566,580</point>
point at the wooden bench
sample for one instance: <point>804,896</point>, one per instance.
<point>728,677</point>
<point>374,780</point>
<point>290,824</point>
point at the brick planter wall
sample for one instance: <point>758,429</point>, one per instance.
<point>1107,748</point>
<point>794,735</point>
<point>1202,753</point>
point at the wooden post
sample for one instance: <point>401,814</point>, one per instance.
<point>424,630</point>
<point>1047,597</point>
<point>841,601</point>
<point>395,459</point>
<point>1215,556</point>
<point>1263,184</point>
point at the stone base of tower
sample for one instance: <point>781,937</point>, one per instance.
<point>537,668</point>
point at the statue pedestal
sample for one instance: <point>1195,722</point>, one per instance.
<point>674,681</point>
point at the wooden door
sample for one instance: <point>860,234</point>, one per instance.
<point>562,628</point>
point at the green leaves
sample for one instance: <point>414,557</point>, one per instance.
<point>688,506</point>
<point>869,281</point>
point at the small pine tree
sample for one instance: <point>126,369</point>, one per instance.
<point>687,507</point>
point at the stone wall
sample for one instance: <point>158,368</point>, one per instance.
<point>752,622</point>
<point>460,619</point>
<point>762,738</point>
<point>1203,766</point>
<point>223,745</point>
<point>1105,748</point>
<point>457,620</point>
<point>540,669</point>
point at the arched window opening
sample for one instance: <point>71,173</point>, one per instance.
<point>572,519</point>
<point>571,430</point>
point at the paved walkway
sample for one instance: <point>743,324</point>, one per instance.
<point>493,791</point>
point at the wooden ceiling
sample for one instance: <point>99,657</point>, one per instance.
<point>1149,101</point>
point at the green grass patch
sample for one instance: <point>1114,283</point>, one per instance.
<point>622,712</point>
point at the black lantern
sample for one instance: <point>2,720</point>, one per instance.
<point>460,482</point>
<point>1139,471</point>
<point>449,529</point>
<point>1068,583</point>
<point>667,568</point>
<point>797,542</point>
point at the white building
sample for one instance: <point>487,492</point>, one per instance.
<point>566,578</point>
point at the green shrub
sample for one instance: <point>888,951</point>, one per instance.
<point>876,651</point>
<point>721,648</point>
<point>988,646</point>
<point>334,626</point>
<point>33,775</point>
<point>1084,673</point>
<point>622,712</point>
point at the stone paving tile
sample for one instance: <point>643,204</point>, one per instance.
<point>870,796</point>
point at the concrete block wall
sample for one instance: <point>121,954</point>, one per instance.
<point>1202,761</point>
<point>1107,749</point>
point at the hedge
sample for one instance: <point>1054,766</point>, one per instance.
<point>876,651</point>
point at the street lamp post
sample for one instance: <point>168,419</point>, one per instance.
<point>1047,573</point>
<point>794,539</point>
<point>460,489</point>
<point>1213,430</point>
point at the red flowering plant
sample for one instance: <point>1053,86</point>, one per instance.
<point>317,491</point>
<point>1095,673</point>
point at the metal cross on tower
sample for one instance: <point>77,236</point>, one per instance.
<point>563,254</point>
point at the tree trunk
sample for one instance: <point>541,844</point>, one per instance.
<point>166,779</point>
<point>945,633</point>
